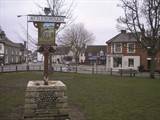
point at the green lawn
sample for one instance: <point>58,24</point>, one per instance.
<point>100,97</point>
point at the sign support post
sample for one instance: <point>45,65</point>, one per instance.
<point>46,56</point>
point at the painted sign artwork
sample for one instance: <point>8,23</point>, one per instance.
<point>46,34</point>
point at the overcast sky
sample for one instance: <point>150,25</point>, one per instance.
<point>98,16</point>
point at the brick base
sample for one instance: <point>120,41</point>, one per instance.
<point>46,102</point>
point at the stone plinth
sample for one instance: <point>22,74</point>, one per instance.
<point>46,102</point>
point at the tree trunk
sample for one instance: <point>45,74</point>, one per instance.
<point>76,64</point>
<point>50,63</point>
<point>153,67</point>
<point>45,72</point>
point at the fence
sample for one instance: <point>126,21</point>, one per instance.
<point>17,68</point>
<point>79,69</point>
<point>21,68</point>
<point>59,68</point>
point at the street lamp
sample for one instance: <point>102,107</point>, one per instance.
<point>27,38</point>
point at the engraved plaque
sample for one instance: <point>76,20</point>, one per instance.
<point>46,99</point>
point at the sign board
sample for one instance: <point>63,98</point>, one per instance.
<point>48,25</point>
<point>44,18</point>
<point>46,33</point>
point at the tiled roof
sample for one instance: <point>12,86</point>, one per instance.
<point>8,42</point>
<point>123,37</point>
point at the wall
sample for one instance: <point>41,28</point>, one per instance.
<point>136,62</point>
<point>81,58</point>
<point>124,62</point>
<point>56,57</point>
<point>40,57</point>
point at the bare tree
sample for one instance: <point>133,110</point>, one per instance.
<point>60,8</point>
<point>76,37</point>
<point>142,18</point>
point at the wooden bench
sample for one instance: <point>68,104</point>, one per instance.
<point>131,72</point>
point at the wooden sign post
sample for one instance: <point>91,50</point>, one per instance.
<point>47,26</point>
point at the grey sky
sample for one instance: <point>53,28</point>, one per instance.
<point>98,16</point>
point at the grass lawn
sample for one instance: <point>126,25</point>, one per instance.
<point>100,97</point>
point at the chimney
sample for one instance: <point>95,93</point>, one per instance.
<point>25,44</point>
<point>123,31</point>
<point>2,34</point>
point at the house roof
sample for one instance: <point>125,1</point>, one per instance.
<point>94,49</point>
<point>8,42</point>
<point>123,37</point>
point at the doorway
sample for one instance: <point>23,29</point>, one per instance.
<point>148,64</point>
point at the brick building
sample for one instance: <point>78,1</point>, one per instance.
<point>124,52</point>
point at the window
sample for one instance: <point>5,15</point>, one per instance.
<point>0,47</point>
<point>6,59</point>
<point>101,53</point>
<point>112,48</point>
<point>12,60</point>
<point>118,48</point>
<point>12,52</point>
<point>130,62</point>
<point>20,53</point>
<point>0,37</point>
<point>117,61</point>
<point>6,51</point>
<point>16,59</point>
<point>131,48</point>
